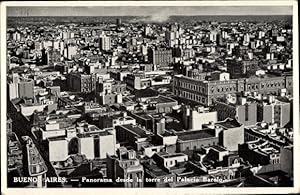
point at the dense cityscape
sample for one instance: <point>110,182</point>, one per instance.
<point>134,102</point>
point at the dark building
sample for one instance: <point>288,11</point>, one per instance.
<point>119,22</point>
<point>81,82</point>
<point>239,68</point>
<point>54,57</point>
<point>160,56</point>
<point>44,60</point>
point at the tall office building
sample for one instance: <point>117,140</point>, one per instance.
<point>160,56</point>
<point>119,22</point>
<point>105,43</point>
<point>170,38</point>
<point>147,30</point>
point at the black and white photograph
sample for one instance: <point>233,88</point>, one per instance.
<point>197,94</point>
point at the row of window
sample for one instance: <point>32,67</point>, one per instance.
<point>275,161</point>
<point>200,146</point>
<point>191,86</point>
<point>279,84</point>
<point>224,89</point>
<point>195,87</point>
<point>193,96</point>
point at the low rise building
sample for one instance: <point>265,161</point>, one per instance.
<point>274,111</point>
<point>230,133</point>
<point>125,169</point>
<point>133,135</point>
<point>260,152</point>
<point>193,119</point>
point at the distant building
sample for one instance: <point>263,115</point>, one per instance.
<point>160,56</point>
<point>53,57</point>
<point>240,68</point>
<point>70,51</point>
<point>105,43</point>
<point>81,82</point>
<point>118,21</point>
<point>170,37</point>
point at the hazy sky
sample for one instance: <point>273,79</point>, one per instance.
<point>147,10</point>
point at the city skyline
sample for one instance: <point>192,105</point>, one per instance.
<point>148,10</point>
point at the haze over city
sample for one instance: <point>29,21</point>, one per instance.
<point>156,11</point>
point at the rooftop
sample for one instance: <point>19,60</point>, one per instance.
<point>218,148</point>
<point>173,155</point>
<point>229,123</point>
<point>141,133</point>
<point>194,135</point>
<point>161,99</point>
<point>154,170</point>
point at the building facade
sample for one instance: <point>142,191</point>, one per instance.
<point>205,92</point>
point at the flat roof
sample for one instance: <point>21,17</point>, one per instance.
<point>162,99</point>
<point>144,115</point>
<point>63,137</point>
<point>154,170</point>
<point>136,130</point>
<point>229,124</point>
<point>219,148</point>
<point>173,155</point>
<point>194,135</point>
<point>89,134</point>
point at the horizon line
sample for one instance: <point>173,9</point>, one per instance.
<point>151,15</point>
